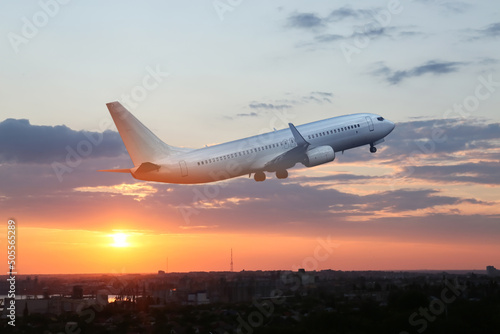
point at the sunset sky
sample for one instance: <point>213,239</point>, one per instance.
<point>204,72</point>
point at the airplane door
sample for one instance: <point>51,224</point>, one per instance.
<point>285,143</point>
<point>184,169</point>
<point>370,122</point>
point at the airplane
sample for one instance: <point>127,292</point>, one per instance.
<point>310,144</point>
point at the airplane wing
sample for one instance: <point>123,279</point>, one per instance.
<point>298,137</point>
<point>285,160</point>
<point>289,158</point>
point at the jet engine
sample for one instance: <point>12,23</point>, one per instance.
<point>319,155</point>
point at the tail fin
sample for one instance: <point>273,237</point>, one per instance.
<point>142,144</point>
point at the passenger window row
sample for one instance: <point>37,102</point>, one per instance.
<point>331,132</point>
<point>245,152</point>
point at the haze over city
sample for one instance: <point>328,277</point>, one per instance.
<point>204,73</point>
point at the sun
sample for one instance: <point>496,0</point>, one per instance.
<point>120,240</point>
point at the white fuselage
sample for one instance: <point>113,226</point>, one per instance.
<point>252,154</point>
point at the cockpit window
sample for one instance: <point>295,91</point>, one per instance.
<point>380,118</point>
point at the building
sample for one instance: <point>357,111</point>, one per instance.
<point>492,271</point>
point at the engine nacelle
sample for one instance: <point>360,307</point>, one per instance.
<point>319,155</point>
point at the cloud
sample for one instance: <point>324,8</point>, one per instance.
<point>22,142</point>
<point>305,21</point>
<point>487,61</point>
<point>431,67</point>
<point>437,150</point>
<point>290,207</point>
<point>327,94</point>
<point>300,205</point>
<point>137,190</point>
<point>442,136</point>
<point>269,106</point>
<point>492,30</point>
<point>347,12</point>
<point>483,172</point>
<point>327,29</point>
<point>293,206</point>
<point>441,139</point>
<point>404,200</point>
<point>488,32</point>
<point>318,97</point>
<point>311,21</point>
<point>454,7</point>
<point>328,38</point>
<point>370,31</point>
<point>260,108</point>
<point>251,114</point>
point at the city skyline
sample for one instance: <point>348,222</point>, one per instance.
<point>207,74</point>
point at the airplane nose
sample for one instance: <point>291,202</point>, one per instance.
<point>391,126</point>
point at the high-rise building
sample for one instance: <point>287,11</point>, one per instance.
<point>492,271</point>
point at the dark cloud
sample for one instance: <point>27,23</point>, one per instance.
<point>327,38</point>
<point>283,104</point>
<point>314,203</point>
<point>310,21</point>
<point>487,32</point>
<point>305,21</point>
<point>299,208</point>
<point>289,207</point>
<point>443,136</point>
<point>367,27</point>
<point>323,94</point>
<point>492,30</point>
<point>299,205</point>
<point>412,200</point>
<point>25,143</point>
<point>42,179</point>
<point>347,12</point>
<point>317,97</point>
<point>409,33</point>
<point>372,31</point>
<point>432,67</point>
<point>420,146</point>
<point>484,172</point>
<point>251,114</point>
<point>333,178</point>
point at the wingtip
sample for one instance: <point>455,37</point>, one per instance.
<point>113,104</point>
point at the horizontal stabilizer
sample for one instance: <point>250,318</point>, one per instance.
<point>126,170</point>
<point>147,167</point>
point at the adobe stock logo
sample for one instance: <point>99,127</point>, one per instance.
<point>223,6</point>
<point>437,306</point>
<point>31,27</point>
